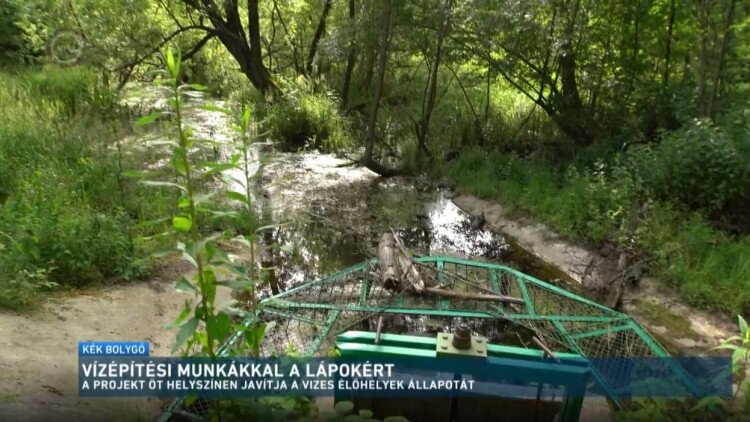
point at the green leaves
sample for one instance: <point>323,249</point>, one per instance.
<point>182,223</point>
<point>236,196</point>
<point>174,62</point>
<point>146,120</point>
<point>254,334</point>
<point>185,333</point>
<point>159,184</point>
<point>212,107</point>
<point>185,286</point>
<point>743,329</point>
<point>344,407</point>
<point>218,326</point>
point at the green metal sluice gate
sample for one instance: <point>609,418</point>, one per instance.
<point>341,312</point>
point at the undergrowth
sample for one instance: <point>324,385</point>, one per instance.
<point>651,200</point>
<point>68,217</point>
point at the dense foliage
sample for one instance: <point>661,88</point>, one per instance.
<point>619,122</point>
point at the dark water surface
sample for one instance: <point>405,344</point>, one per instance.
<point>331,215</point>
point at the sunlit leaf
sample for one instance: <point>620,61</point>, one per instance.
<point>743,326</point>
<point>240,284</point>
<point>212,107</point>
<point>196,87</point>
<point>182,223</point>
<point>183,285</point>
<point>145,120</point>
<point>236,196</point>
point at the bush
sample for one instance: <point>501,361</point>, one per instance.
<point>698,166</point>
<point>307,119</point>
<point>60,223</point>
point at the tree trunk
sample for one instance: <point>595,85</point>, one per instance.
<point>668,50</point>
<point>367,159</point>
<point>571,117</point>
<point>487,98</point>
<point>319,31</point>
<point>350,60</point>
<point>256,50</point>
<point>423,126</point>
<point>728,21</point>
<point>228,28</point>
<point>702,57</point>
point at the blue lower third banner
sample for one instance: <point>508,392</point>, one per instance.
<point>413,377</point>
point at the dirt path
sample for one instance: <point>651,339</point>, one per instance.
<point>38,364</point>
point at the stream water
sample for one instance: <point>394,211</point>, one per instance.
<point>328,214</point>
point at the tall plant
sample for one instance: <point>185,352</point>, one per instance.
<point>203,326</point>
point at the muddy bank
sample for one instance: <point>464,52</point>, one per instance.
<point>680,328</point>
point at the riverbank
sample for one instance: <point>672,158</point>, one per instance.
<point>707,267</point>
<point>683,329</point>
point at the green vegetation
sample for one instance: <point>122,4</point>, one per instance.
<point>64,218</point>
<point>620,124</point>
<point>620,202</point>
<point>735,408</point>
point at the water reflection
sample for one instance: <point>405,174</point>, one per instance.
<point>332,216</point>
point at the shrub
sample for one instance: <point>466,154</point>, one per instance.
<point>307,119</point>
<point>698,166</point>
<point>61,212</point>
<point>610,202</point>
<point>77,243</point>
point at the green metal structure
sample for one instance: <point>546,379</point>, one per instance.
<point>537,371</point>
<point>310,317</point>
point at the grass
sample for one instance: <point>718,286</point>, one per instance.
<point>66,217</point>
<point>709,268</point>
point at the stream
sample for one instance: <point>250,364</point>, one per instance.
<point>330,215</point>
<point>327,214</point>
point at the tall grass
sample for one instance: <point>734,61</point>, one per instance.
<point>62,216</point>
<point>305,119</point>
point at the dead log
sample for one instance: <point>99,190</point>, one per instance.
<point>397,271</point>
<point>389,274</point>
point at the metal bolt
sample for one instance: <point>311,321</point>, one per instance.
<point>479,340</point>
<point>480,351</point>
<point>444,347</point>
<point>445,336</point>
<point>462,337</point>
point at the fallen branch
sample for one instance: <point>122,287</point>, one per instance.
<point>538,341</point>
<point>472,296</point>
<point>396,268</point>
